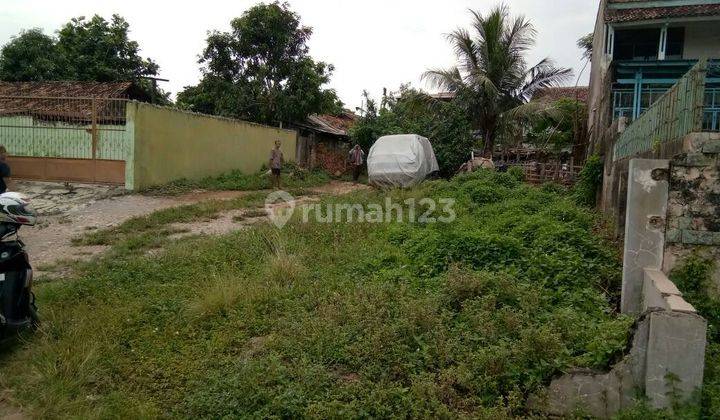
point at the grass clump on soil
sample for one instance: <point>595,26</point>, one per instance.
<point>461,319</point>
<point>292,177</point>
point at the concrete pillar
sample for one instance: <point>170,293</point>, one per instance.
<point>647,198</point>
<point>675,357</point>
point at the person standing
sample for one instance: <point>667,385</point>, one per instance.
<point>276,161</point>
<point>357,158</point>
<point>5,181</point>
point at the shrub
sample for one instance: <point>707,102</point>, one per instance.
<point>589,182</point>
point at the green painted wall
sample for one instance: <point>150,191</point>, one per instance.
<point>170,144</point>
<point>24,136</point>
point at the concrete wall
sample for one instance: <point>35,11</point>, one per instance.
<point>664,364</point>
<point>171,144</point>
<point>702,39</point>
<point>647,197</point>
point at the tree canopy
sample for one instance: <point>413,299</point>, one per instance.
<point>85,50</point>
<point>31,56</point>
<point>492,80</point>
<point>261,70</point>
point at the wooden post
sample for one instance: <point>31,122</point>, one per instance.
<point>93,131</point>
<point>94,137</point>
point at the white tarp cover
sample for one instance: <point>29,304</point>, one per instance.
<point>401,161</point>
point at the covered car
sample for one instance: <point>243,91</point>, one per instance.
<point>401,160</point>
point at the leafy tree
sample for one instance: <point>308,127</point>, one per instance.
<point>100,50</point>
<point>444,124</point>
<point>31,56</point>
<point>586,44</point>
<point>261,70</point>
<point>557,130</point>
<point>492,80</point>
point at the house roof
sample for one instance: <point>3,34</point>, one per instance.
<point>337,125</point>
<point>635,14</point>
<point>67,101</point>
<point>73,89</point>
<point>553,94</point>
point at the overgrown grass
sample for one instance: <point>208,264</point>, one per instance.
<point>292,177</point>
<point>331,319</point>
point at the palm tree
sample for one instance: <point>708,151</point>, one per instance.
<point>492,79</point>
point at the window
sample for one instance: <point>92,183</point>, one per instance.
<point>675,44</point>
<point>637,44</point>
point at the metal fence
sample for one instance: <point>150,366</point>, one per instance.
<point>80,128</point>
<point>678,112</point>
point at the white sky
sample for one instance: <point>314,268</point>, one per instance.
<point>372,43</point>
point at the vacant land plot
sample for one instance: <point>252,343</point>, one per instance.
<point>463,319</point>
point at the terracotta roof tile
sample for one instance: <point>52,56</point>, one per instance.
<point>556,93</point>
<point>652,13</point>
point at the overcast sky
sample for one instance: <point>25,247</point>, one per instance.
<point>372,43</point>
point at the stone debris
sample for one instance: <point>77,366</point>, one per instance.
<point>53,198</point>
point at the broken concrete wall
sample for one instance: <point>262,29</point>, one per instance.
<point>666,361</point>
<point>664,365</point>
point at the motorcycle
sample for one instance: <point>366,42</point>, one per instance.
<point>17,301</point>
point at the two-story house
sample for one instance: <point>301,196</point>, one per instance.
<point>640,49</point>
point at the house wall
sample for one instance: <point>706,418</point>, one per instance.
<point>170,144</point>
<point>702,39</point>
<point>598,95</point>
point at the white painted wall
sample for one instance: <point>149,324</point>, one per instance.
<point>702,39</point>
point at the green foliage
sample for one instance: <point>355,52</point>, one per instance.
<point>444,124</point>
<point>693,278</point>
<point>261,70</point>
<point>31,55</point>
<point>100,50</point>
<point>586,44</point>
<point>86,50</point>
<point>589,182</point>
<point>330,319</point>
<point>557,129</point>
<point>492,81</point>
<point>517,173</point>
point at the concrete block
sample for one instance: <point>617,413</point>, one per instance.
<point>675,357</point>
<point>695,142</point>
<point>673,236</point>
<point>678,304</point>
<point>684,222</point>
<point>647,199</point>
<point>712,146</point>
<point>661,282</point>
<point>697,237</point>
<point>652,298</point>
<point>698,159</point>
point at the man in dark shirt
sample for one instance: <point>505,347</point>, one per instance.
<point>276,161</point>
<point>5,181</point>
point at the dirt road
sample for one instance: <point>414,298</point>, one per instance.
<point>50,241</point>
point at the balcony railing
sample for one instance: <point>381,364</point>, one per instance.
<point>678,112</point>
<point>623,105</point>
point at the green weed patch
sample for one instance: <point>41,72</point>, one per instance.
<point>464,319</point>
